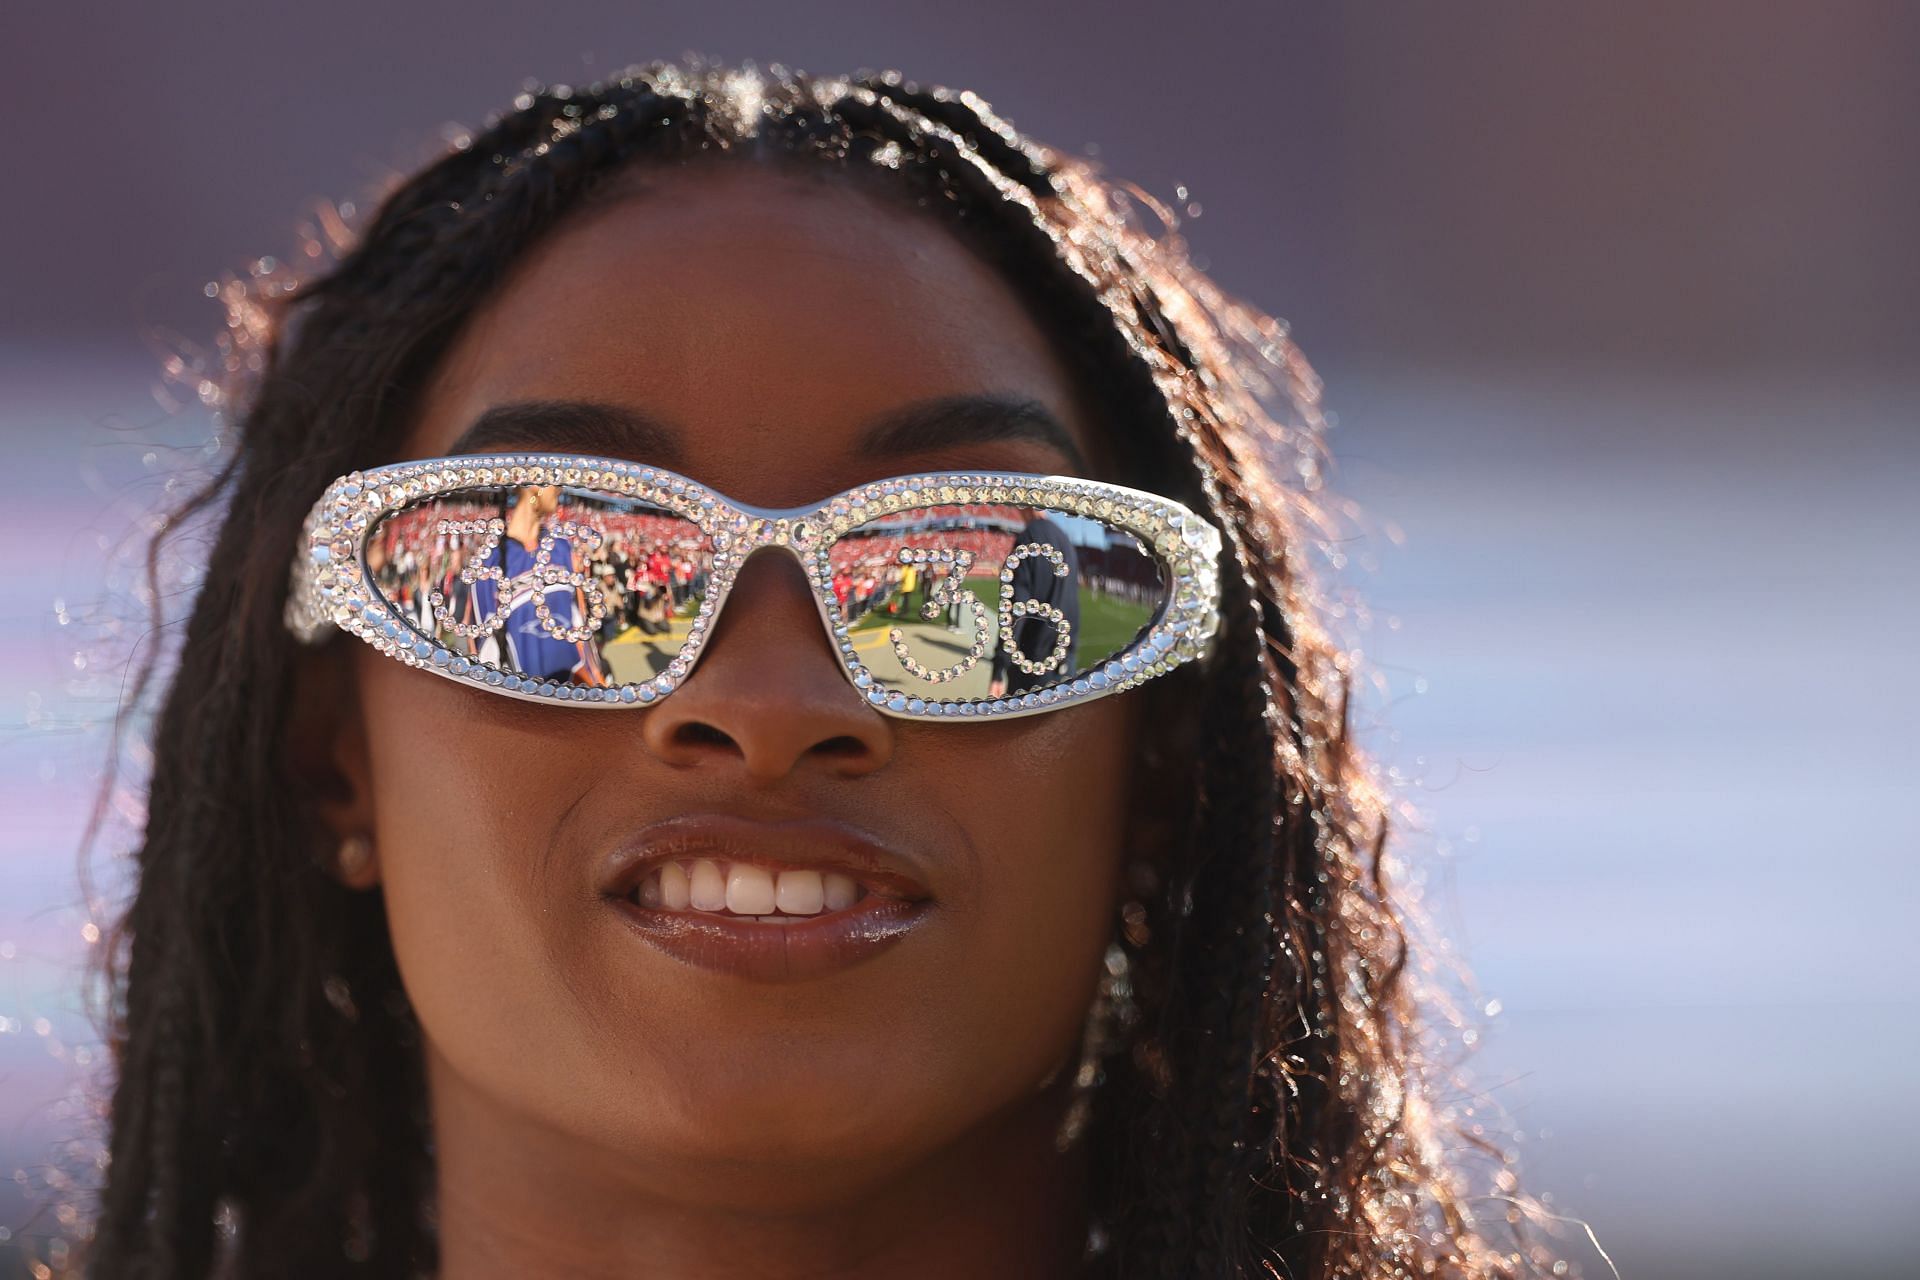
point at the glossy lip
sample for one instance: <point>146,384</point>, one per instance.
<point>898,899</point>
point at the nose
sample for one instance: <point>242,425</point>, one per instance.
<point>767,694</point>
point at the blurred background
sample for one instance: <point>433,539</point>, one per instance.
<point>1617,306</point>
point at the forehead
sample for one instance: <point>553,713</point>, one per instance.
<point>766,320</point>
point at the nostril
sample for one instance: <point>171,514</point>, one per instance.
<point>843,746</point>
<point>698,733</point>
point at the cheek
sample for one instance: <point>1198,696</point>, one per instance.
<point>1045,811</point>
<point>464,811</point>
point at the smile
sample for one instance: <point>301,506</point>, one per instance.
<point>743,889</point>
<point>770,902</point>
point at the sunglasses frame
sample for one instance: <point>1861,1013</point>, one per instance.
<point>330,587</point>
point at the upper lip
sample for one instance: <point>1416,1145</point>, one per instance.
<point>805,843</point>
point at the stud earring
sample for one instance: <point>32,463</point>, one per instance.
<point>354,855</point>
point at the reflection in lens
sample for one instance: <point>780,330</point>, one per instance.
<point>978,600</point>
<point>545,582</point>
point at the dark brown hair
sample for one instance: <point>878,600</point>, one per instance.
<point>1269,1116</point>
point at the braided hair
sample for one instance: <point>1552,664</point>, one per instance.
<point>1268,1115</point>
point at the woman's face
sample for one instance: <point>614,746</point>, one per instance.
<point>761,323</point>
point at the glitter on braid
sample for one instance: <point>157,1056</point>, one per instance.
<point>1269,1119</point>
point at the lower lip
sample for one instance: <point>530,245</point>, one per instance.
<point>761,951</point>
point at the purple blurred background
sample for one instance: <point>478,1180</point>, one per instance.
<point>1617,305</point>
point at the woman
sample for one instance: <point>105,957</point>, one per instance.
<point>408,983</point>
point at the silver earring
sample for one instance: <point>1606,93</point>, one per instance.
<point>354,855</point>
<point>1111,1015</point>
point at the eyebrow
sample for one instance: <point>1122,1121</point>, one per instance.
<point>948,422</point>
<point>572,426</point>
<point>609,430</point>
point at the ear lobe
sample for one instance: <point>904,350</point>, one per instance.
<point>326,762</point>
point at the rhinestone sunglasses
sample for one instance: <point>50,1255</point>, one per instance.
<point>598,582</point>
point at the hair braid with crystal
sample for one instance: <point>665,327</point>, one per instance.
<point>1269,1116</point>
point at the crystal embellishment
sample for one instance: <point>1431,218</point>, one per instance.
<point>329,586</point>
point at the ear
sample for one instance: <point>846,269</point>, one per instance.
<point>326,761</point>
<point>1163,791</point>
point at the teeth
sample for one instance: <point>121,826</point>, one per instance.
<point>675,889</point>
<point>709,885</point>
<point>749,890</point>
<point>840,891</point>
<point>799,893</point>
<point>745,890</point>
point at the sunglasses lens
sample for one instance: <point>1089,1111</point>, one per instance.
<point>971,601</point>
<point>545,582</point>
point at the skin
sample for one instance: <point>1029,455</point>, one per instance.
<point>601,1109</point>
